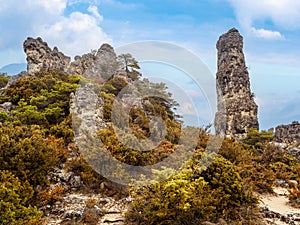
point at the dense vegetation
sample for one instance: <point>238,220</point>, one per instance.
<point>36,135</point>
<point>195,195</point>
<point>224,191</point>
<point>33,140</point>
<point>14,205</point>
<point>161,106</point>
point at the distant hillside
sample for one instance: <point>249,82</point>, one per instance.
<point>13,69</point>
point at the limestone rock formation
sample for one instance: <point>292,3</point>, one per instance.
<point>98,65</point>
<point>288,133</point>
<point>41,57</point>
<point>237,111</point>
<point>87,110</point>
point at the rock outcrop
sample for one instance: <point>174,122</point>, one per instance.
<point>237,111</point>
<point>41,57</point>
<point>288,138</point>
<point>288,133</point>
<point>98,65</point>
<point>87,111</point>
<point>6,107</point>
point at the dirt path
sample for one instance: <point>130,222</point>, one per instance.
<point>278,204</point>
<point>278,209</point>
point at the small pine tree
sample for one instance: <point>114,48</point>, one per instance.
<point>130,65</point>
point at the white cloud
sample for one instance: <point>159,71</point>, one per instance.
<point>113,3</point>
<point>94,10</point>
<point>74,34</point>
<point>267,34</point>
<point>284,14</point>
<point>53,6</point>
<point>77,34</point>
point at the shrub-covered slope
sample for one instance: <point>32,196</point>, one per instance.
<point>36,135</point>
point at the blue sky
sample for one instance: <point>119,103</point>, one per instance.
<point>271,31</point>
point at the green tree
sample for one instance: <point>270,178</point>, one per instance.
<point>130,65</point>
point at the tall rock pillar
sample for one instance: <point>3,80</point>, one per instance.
<point>237,111</point>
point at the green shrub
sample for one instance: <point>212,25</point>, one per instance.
<point>28,153</point>
<point>260,164</point>
<point>14,201</point>
<point>133,156</point>
<point>63,130</point>
<point>3,117</point>
<point>33,86</point>
<point>43,103</point>
<point>194,195</point>
<point>258,138</point>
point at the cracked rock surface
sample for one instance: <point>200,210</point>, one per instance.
<point>237,111</point>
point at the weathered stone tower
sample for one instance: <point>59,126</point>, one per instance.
<point>237,111</point>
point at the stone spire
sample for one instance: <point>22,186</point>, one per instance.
<point>237,111</point>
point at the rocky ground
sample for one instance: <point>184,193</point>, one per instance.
<point>77,204</point>
<point>276,210</point>
<point>81,207</point>
<point>87,209</point>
